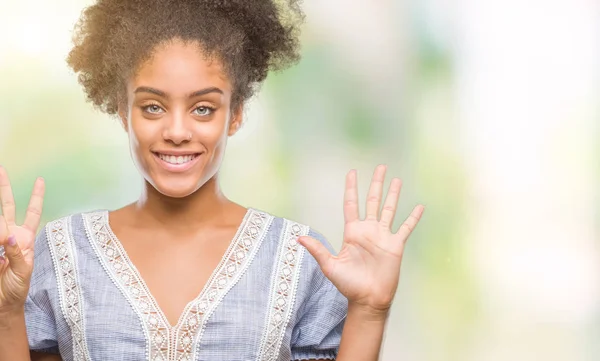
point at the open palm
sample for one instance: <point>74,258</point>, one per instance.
<point>367,269</point>
<point>16,265</point>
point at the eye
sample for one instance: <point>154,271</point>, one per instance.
<point>153,109</point>
<point>203,111</point>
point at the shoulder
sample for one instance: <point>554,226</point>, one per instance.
<point>319,307</point>
<point>59,238</point>
<point>72,221</point>
<point>281,242</point>
<point>282,228</point>
<point>69,227</point>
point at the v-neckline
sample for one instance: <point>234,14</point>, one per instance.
<point>204,289</point>
<point>165,341</point>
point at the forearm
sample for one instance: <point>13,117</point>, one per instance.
<point>362,335</point>
<point>13,336</point>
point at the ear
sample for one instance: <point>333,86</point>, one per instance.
<point>236,120</point>
<point>122,113</point>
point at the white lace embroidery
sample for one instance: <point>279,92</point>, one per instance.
<point>233,265</point>
<point>283,290</point>
<point>61,245</point>
<point>118,266</point>
<point>179,343</point>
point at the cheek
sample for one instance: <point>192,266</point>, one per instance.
<point>212,134</point>
<point>141,131</point>
<point>140,137</point>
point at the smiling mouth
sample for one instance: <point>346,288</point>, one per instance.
<point>177,159</point>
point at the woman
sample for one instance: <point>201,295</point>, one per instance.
<point>185,273</point>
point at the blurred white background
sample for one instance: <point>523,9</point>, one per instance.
<point>488,110</point>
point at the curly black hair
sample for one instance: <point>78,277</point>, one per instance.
<point>250,38</point>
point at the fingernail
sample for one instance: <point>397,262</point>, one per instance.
<point>12,240</point>
<point>2,260</point>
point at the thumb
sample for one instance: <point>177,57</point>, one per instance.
<point>318,251</point>
<point>15,256</point>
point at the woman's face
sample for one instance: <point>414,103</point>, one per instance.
<point>178,118</point>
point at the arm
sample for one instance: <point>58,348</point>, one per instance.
<point>39,356</point>
<point>16,266</point>
<point>14,344</point>
<point>14,336</point>
<point>367,269</point>
<point>362,335</point>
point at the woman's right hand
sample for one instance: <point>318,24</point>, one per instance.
<point>17,264</point>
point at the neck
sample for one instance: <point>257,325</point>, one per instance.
<point>206,205</point>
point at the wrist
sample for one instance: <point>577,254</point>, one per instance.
<point>367,313</point>
<point>10,314</point>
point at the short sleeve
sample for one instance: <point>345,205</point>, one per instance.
<point>39,315</point>
<point>318,331</point>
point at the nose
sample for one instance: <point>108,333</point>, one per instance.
<point>177,128</point>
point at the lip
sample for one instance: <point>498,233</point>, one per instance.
<point>175,152</point>
<point>176,168</point>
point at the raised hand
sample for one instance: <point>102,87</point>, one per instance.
<point>367,268</point>
<point>16,265</point>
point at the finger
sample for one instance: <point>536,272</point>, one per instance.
<point>3,239</point>
<point>3,229</point>
<point>410,223</point>
<point>36,204</point>
<point>318,251</point>
<point>15,257</point>
<point>351,198</point>
<point>391,203</point>
<point>6,197</point>
<point>375,193</point>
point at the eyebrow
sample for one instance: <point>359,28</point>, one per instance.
<point>160,93</point>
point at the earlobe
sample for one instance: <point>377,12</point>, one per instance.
<point>122,113</point>
<point>234,127</point>
<point>236,121</point>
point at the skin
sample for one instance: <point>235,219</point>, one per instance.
<point>187,218</point>
<point>184,214</point>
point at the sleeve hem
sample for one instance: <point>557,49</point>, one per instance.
<point>308,355</point>
<point>52,350</point>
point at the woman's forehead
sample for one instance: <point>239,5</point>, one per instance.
<point>181,66</point>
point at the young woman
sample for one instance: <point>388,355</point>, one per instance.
<point>185,273</point>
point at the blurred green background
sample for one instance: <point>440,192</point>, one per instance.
<point>487,110</point>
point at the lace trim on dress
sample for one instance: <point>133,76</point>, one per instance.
<point>233,265</point>
<point>167,343</point>
<point>119,268</point>
<point>61,246</point>
<point>283,290</point>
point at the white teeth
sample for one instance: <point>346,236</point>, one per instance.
<point>176,159</point>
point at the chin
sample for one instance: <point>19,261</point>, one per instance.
<point>175,189</point>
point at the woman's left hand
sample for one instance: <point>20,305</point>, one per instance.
<point>367,269</point>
